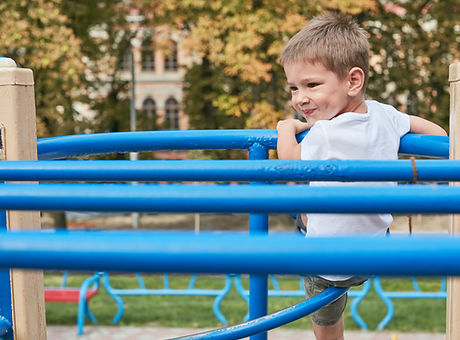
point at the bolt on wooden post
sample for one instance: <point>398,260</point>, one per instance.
<point>19,142</point>
<point>453,283</point>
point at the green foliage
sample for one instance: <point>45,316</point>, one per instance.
<point>239,43</point>
<point>105,35</point>
<point>412,45</point>
<point>202,84</point>
<point>35,35</point>
<point>75,48</point>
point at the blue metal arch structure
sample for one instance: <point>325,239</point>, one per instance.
<point>258,142</point>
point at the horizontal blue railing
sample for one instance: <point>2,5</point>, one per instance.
<point>261,198</point>
<point>230,170</point>
<point>183,252</point>
<point>100,143</point>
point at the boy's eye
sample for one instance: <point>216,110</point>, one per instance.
<point>312,84</point>
<point>292,88</point>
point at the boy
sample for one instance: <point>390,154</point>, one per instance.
<point>326,66</point>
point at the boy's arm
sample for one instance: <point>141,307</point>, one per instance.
<point>425,127</point>
<point>287,146</point>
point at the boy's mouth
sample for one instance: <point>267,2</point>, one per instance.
<point>308,112</point>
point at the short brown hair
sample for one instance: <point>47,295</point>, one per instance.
<point>334,40</point>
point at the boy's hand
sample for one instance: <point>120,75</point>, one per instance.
<point>287,146</point>
<point>294,124</point>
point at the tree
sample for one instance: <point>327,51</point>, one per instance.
<point>239,43</point>
<point>412,45</point>
<point>35,35</point>
<point>106,34</point>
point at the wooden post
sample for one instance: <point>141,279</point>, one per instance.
<point>453,283</point>
<point>19,142</point>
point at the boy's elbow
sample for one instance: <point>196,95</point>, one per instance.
<point>437,131</point>
<point>443,132</point>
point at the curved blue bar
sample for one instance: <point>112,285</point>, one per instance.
<point>100,143</point>
<point>230,170</point>
<point>262,198</point>
<point>424,145</point>
<point>274,320</point>
<point>186,252</point>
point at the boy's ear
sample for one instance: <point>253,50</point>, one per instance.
<point>355,81</point>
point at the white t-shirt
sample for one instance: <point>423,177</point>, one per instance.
<point>374,135</point>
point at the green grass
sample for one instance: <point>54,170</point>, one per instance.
<point>421,315</point>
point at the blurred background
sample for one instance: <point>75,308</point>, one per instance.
<point>195,64</point>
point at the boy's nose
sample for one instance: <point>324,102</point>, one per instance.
<point>303,99</point>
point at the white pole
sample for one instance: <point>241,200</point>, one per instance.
<point>453,283</point>
<point>19,142</point>
<point>133,156</point>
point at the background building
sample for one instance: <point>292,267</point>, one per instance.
<point>158,72</point>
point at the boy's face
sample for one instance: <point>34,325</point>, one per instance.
<point>317,93</point>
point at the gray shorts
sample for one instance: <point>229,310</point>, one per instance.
<point>331,313</point>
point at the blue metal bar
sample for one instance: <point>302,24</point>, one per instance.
<point>118,300</point>
<point>231,198</point>
<point>218,300</point>
<point>258,285</point>
<point>166,292</point>
<point>230,170</point>
<point>258,225</point>
<point>91,144</point>
<point>185,252</point>
<point>424,145</point>
<point>357,294</point>
<point>6,329</point>
<point>386,297</point>
<point>6,313</point>
<point>415,295</point>
<point>265,323</point>
<point>140,281</point>
<point>116,294</point>
<point>83,309</point>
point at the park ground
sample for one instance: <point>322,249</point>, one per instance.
<point>144,333</point>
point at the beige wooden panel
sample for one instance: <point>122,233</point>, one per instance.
<point>17,117</point>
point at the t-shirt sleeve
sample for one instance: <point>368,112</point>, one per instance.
<point>314,146</point>
<point>401,121</point>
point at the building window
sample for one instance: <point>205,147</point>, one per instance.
<point>125,61</point>
<point>148,54</point>
<point>149,108</point>
<point>171,57</point>
<point>172,114</point>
